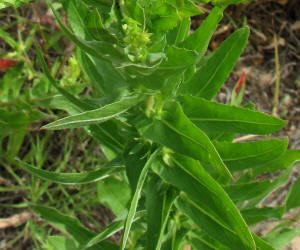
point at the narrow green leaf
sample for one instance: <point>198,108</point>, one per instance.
<point>201,245</point>
<point>244,155</point>
<point>8,39</point>
<point>261,244</point>
<point>215,230</point>
<point>255,215</point>
<point>102,114</point>
<point>200,38</point>
<point>214,117</point>
<point>283,162</point>
<point>159,200</point>
<point>210,77</point>
<point>282,235</point>
<point>135,198</point>
<point>75,178</point>
<point>188,175</point>
<point>242,192</point>
<point>64,223</point>
<point>70,225</point>
<point>177,132</point>
<point>279,181</point>
<point>182,30</point>
<point>77,13</point>
<point>293,197</point>
<point>111,230</point>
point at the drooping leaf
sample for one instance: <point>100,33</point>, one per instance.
<point>211,200</point>
<point>209,78</point>
<point>71,226</point>
<point>74,178</point>
<point>216,117</point>
<point>102,114</point>
<point>64,222</point>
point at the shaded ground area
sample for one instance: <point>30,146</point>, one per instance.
<point>273,24</point>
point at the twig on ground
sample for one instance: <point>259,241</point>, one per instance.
<point>15,220</point>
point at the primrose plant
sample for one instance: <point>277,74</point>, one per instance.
<point>191,185</point>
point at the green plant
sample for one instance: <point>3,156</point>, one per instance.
<point>26,99</point>
<point>165,140</point>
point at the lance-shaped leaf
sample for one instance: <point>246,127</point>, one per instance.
<point>75,178</point>
<point>283,162</point>
<point>206,223</point>
<point>261,244</point>
<point>211,201</point>
<point>110,230</point>
<point>102,114</point>
<point>293,197</point>
<point>159,200</point>
<point>279,181</point>
<point>243,192</point>
<point>70,225</point>
<point>244,155</point>
<point>136,197</point>
<point>202,241</point>
<point>200,38</point>
<point>216,117</point>
<point>214,72</point>
<point>255,215</point>
<point>282,234</point>
<point>177,132</point>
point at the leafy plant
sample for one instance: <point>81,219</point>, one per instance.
<point>153,115</point>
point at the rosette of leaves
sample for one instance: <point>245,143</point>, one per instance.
<point>190,183</point>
